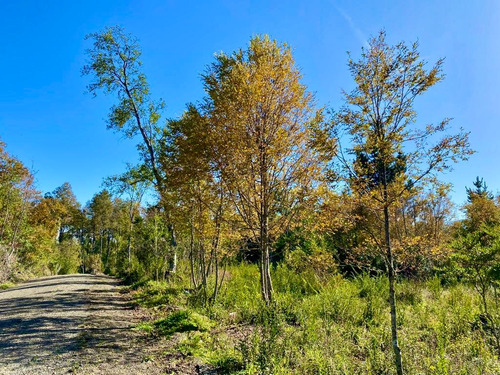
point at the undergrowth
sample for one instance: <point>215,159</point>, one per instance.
<point>6,285</point>
<point>178,321</point>
<point>325,326</point>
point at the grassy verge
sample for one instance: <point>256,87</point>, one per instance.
<point>323,326</point>
<point>6,285</point>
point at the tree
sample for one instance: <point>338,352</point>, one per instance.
<point>65,209</point>
<point>153,248</point>
<point>100,209</point>
<point>195,188</point>
<point>259,113</point>
<point>477,256</point>
<point>58,214</point>
<point>115,66</point>
<point>480,209</point>
<point>419,231</point>
<point>390,155</point>
<point>133,186</point>
<point>480,190</point>
<point>17,195</point>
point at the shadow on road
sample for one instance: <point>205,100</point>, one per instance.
<point>48,317</point>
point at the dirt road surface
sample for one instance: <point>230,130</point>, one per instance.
<point>77,324</point>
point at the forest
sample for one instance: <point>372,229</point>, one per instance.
<point>273,236</point>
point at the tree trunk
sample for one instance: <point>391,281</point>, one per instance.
<point>173,264</point>
<point>194,284</point>
<point>100,246</point>
<point>215,248</point>
<point>392,293</point>
<point>263,278</point>
<point>129,241</point>
<point>265,274</point>
<point>108,240</point>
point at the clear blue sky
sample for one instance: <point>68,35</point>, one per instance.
<point>49,122</point>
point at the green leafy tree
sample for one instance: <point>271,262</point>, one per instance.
<point>65,209</point>
<point>153,250</point>
<point>132,186</point>
<point>17,196</point>
<point>115,67</point>
<point>477,252</point>
<point>100,210</point>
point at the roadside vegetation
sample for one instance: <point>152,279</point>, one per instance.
<point>329,325</point>
<point>282,238</point>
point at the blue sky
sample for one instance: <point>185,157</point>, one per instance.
<point>56,129</point>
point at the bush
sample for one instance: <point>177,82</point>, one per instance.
<point>6,285</point>
<point>181,321</point>
<point>156,293</point>
<point>286,280</point>
<point>8,262</point>
<point>93,263</point>
<point>67,258</point>
<point>240,295</point>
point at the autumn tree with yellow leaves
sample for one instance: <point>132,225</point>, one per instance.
<point>259,113</point>
<point>390,154</point>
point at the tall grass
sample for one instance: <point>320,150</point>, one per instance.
<point>337,326</point>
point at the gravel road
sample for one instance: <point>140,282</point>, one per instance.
<point>71,324</point>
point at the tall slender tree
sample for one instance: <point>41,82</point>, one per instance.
<point>196,189</point>
<point>390,153</point>
<point>17,195</point>
<point>115,68</point>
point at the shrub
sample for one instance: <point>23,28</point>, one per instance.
<point>181,321</point>
<point>67,257</point>
<point>8,262</point>
<point>240,294</point>
<point>156,293</point>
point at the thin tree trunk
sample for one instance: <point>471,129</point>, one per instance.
<point>265,261</point>
<point>216,286</point>
<point>203,271</point>
<point>108,240</point>
<point>173,266</point>
<point>129,240</point>
<point>100,250</point>
<point>156,249</point>
<point>174,262</point>
<point>215,248</point>
<point>263,278</point>
<point>264,222</point>
<point>191,255</point>
<point>392,293</point>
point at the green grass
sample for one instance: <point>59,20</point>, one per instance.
<point>332,326</point>
<point>157,294</point>
<point>6,285</point>
<point>178,321</point>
